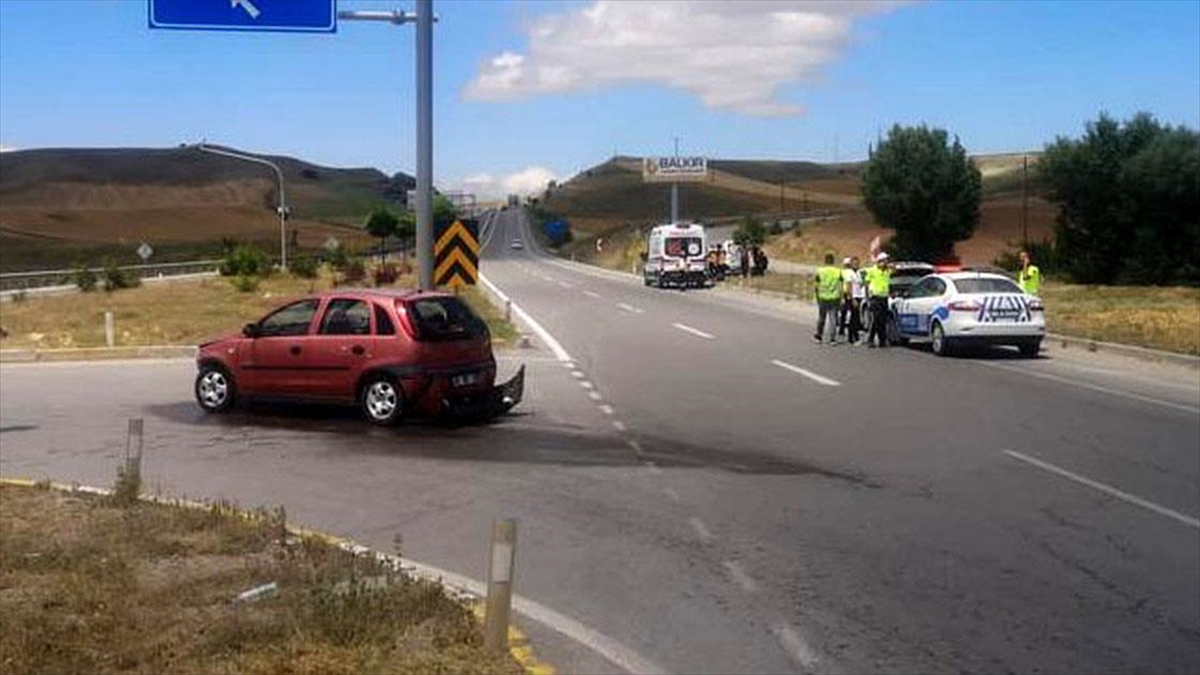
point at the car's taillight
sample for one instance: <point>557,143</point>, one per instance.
<point>1036,305</point>
<point>964,306</point>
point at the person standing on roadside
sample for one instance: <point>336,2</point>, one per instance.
<point>1030,277</point>
<point>879,286</point>
<point>827,287</point>
<point>854,292</point>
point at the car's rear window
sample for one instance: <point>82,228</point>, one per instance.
<point>441,319</point>
<point>986,285</point>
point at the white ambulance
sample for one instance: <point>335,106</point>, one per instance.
<point>676,256</point>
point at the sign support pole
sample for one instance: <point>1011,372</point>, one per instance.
<point>425,144</point>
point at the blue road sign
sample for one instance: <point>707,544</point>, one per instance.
<point>279,16</point>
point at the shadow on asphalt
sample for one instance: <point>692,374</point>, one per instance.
<point>979,353</point>
<point>518,438</point>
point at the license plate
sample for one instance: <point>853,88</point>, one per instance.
<point>466,379</point>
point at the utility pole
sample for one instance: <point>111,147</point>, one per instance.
<point>1025,202</point>
<point>675,190</point>
<point>424,19</point>
<point>281,209</point>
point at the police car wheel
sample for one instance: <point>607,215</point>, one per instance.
<point>1030,349</point>
<point>938,340</point>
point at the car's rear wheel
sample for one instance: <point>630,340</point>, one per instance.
<point>382,400</point>
<point>1030,349</point>
<point>938,340</point>
<point>215,388</point>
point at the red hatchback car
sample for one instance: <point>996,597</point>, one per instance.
<point>391,352</point>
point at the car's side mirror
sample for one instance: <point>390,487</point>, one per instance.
<point>250,330</point>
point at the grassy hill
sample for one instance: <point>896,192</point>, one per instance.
<point>62,205</point>
<point>611,201</point>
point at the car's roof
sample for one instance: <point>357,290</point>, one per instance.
<point>395,293</point>
<point>955,276</point>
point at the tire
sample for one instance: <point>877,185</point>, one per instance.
<point>938,340</point>
<point>1030,349</point>
<point>215,388</point>
<point>381,400</point>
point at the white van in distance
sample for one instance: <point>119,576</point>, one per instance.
<point>676,256</point>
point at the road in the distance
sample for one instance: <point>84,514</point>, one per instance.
<point>892,510</point>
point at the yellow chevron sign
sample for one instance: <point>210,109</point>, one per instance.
<point>456,254</point>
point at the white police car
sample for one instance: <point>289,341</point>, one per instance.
<point>961,308</point>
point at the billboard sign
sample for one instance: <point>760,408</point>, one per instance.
<point>674,169</point>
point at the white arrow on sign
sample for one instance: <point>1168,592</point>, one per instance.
<point>246,5</point>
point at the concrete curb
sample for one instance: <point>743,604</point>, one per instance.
<point>20,355</point>
<point>518,643</point>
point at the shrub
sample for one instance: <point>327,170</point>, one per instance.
<point>305,267</point>
<point>354,271</point>
<point>337,258</point>
<point>386,274</point>
<point>245,283</point>
<point>116,278</point>
<point>246,260</point>
<point>84,278</point>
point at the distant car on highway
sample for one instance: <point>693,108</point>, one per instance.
<point>960,308</point>
<point>516,244</point>
<point>391,352</point>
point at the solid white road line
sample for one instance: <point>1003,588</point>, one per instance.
<point>629,308</point>
<point>795,646</point>
<point>739,576</point>
<point>1106,489</point>
<point>694,331</point>
<point>592,294</point>
<point>1095,387</point>
<point>543,334</point>
<point>819,379</point>
<point>701,529</point>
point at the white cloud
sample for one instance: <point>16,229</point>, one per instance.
<point>528,181</point>
<point>731,54</point>
<point>6,148</point>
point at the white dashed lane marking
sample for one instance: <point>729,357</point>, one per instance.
<point>586,385</point>
<point>619,425</point>
<point>795,646</point>
<point>694,331</point>
<point>629,308</point>
<point>740,577</point>
<point>819,379</point>
<point>592,294</point>
<point>701,529</point>
<point>605,408</point>
<point>1106,489</point>
<point>672,494</point>
<point>595,395</point>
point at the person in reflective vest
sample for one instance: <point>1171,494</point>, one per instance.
<point>1030,277</point>
<point>879,286</point>
<point>828,288</point>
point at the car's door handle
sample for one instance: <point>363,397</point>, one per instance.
<point>295,349</point>
<point>358,349</point>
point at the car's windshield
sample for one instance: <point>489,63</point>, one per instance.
<point>440,319</point>
<point>986,285</point>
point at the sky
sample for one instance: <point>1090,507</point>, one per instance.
<point>527,91</point>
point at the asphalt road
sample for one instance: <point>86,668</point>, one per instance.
<point>707,491</point>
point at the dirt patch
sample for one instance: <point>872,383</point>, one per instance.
<point>90,586</point>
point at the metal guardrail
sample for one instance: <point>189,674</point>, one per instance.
<point>13,281</point>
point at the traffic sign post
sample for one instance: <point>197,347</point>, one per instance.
<point>145,251</point>
<point>277,16</point>
<point>456,254</point>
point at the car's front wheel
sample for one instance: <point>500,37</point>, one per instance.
<point>215,388</point>
<point>382,400</point>
<point>1030,349</point>
<point>938,340</point>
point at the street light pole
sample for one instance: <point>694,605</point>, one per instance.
<point>281,209</point>
<point>424,19</point>
<point>675,191</point>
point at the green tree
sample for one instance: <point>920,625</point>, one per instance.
<point>925,188</point>
<point>749,232</point>
<point>444,210</point>
<point>382,223</point>
<point>406,229</point>
<point>1129,202</point>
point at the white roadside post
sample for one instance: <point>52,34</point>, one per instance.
<point>109,329</point>
<point>499,590</point>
